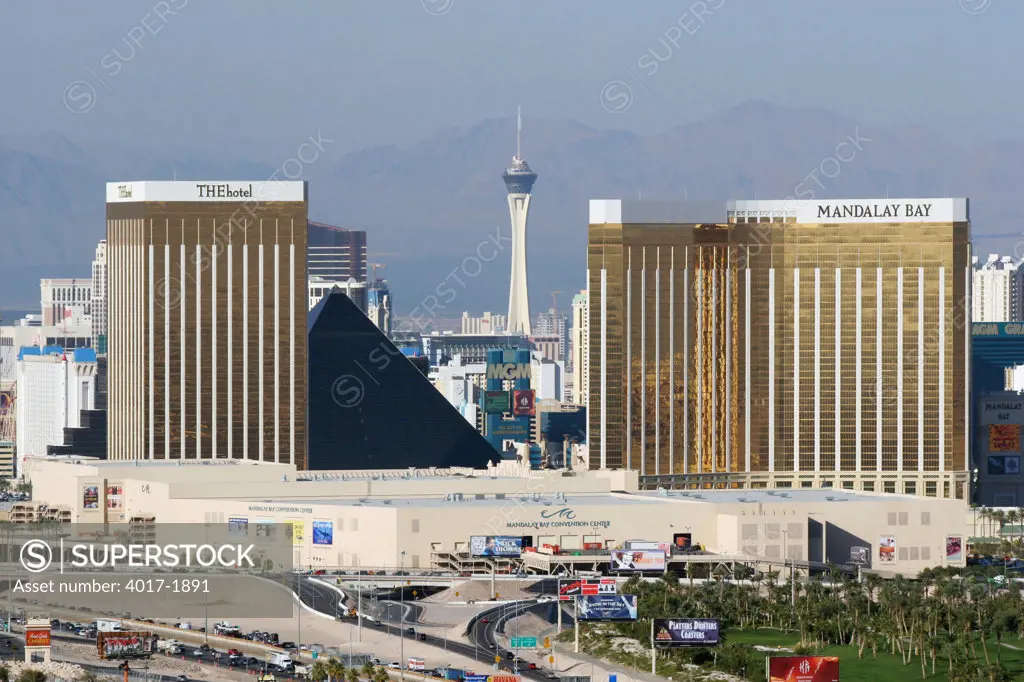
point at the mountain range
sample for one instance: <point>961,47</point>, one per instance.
<point>428,206</point>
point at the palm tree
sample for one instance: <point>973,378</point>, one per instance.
<point>368,670</point>
<point>319,672</point>
<point>351,675</point>
<point>335,670</point>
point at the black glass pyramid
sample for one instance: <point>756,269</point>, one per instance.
<point>371,408</point>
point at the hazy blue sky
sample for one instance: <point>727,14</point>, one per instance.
<point>236,73</point>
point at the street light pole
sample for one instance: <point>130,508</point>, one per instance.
<point>401,617</point>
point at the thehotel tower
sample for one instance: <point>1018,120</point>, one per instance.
<point>782,344</point>
<point>207,320</point>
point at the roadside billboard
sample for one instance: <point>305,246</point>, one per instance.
<point>682,540</point>
<point>803,669</point>
<point>646,545</point>
<point>496,545</point>
<point>568,588</point>
<point>686,632</point>
<point>417,663</point>
<point>638,560</point>
<point>607,607</point>
<point>124,644</point>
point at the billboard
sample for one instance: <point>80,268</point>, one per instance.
<point>607,607</point>
<point>6,402</point>
<point>685,632</point>
<point>886,549</point>
<point>91,497</point>
<point>323,533</point>
<point>115,496</point>
<point>496,545</point>
<point>642,560</point>
<point>682,540</point>
<point>647,545</point>
<point>954,548</point>
<point>266,528</point>
<point>523,403</point>
<point>1004,465</point>
<point>859,555</point>
<point>37,637</point>
<point>568,588</point>
<point>497,402</point>
<point>1004,438</point>
<point>238,526</point>
<point>297,531</point>
<point>124,644</point>
<point>803,669</point>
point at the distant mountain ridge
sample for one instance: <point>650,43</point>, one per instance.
<point>428,206</point>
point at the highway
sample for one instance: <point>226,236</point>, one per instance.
<point>483,649</point>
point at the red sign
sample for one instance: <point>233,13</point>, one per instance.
<point>503,678</point>
<point>803,669</point>
<point>523,403</point>
<point>37,638</point>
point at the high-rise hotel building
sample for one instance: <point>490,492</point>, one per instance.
<point>207,320</point>
<point>782,344</point>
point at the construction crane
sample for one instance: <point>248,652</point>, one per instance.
<point>373,270</point>
<point>554,300</point>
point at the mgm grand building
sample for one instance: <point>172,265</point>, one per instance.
<point>782,344</point>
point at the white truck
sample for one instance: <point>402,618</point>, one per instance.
<point>171,647</point>
<point>281,660</point>
<point>108,626</point>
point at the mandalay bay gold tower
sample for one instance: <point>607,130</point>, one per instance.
<point>781,344</point>
<point>207,320</point>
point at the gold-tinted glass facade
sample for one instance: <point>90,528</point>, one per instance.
<point>760,344</point>
<point>207,330</point>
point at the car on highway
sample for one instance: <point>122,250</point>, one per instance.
<point>485,620</point>
<point>234,652</point>
<point>289,646</point>
<point>531,666</point>
<point>422,637</point>
<point>395,665</point>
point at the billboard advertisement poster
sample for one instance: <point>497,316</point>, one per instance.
<point>682,540</point>
<point>1004,465</point>
<point>523,402</point>
<point>115,496</point>
<point>496,545</point>
<point>1004,437</point>
<point>417,663</point>
<point>568,588</point>
<point>607,607</point>
<point>238,525</point>
<point>266,528</point>
<point>497,402</point>
<point>642,560</point>
<point>954,548</point>
<point>124,644</point>
<point>323,532</point>
<point>297,531</point>
<point>91,497</point>
<point>859,555</point>
<point>803,669</point>
<point>686,632</point>
<point>6,402</point>
<point>886,549</point>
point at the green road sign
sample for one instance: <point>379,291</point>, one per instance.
<point>524,642</point>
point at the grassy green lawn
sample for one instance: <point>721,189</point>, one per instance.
<point>884,668</point>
